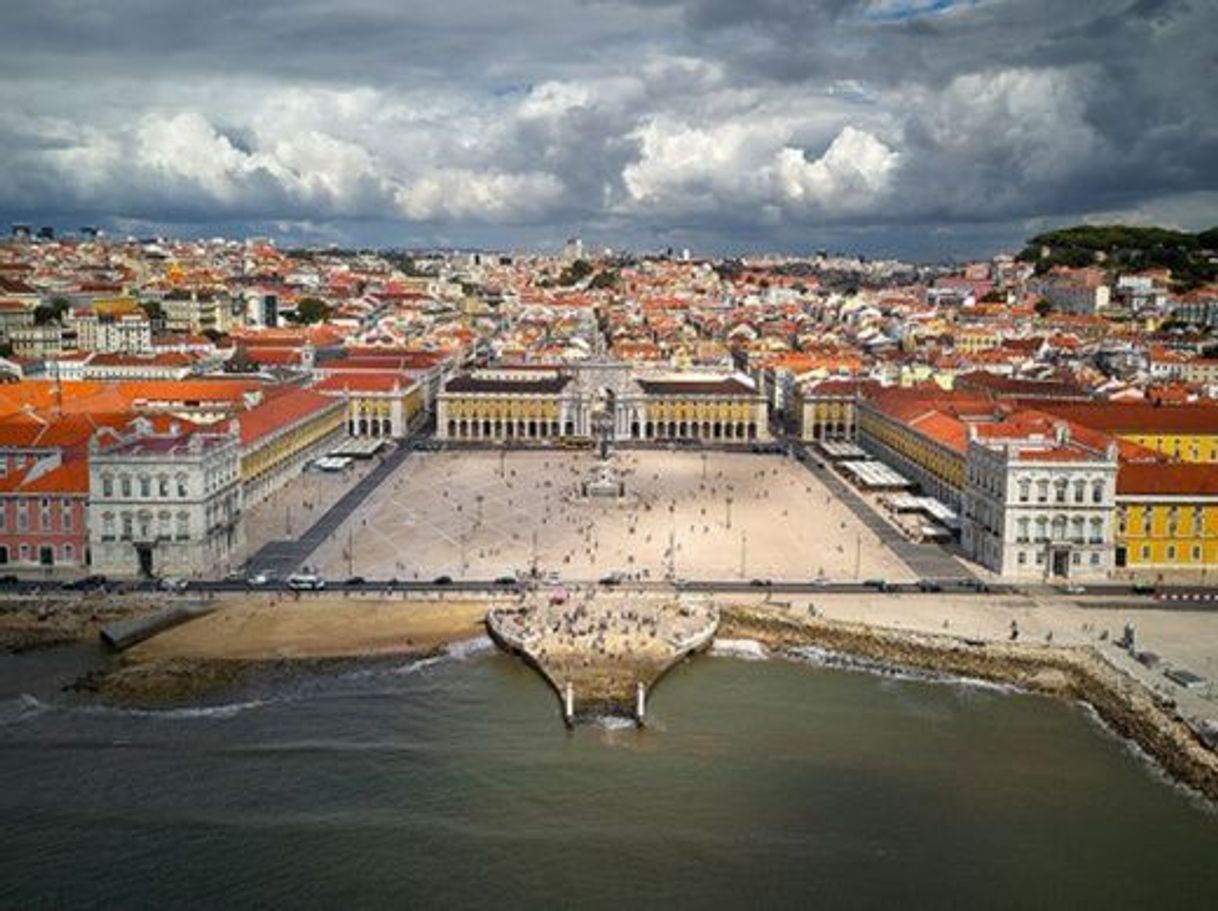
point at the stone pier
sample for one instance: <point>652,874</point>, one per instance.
<point>603,652</point>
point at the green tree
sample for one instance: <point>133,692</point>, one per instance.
<point>1042,307</point>
<point>312,310</point>
<point>606,278</point>
<point>154,310</point>
<point>51,312</point>
<point>575,273</point>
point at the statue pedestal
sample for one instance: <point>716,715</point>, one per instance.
<point>605,483</point>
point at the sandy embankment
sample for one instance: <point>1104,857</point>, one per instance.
<point>220,648</point>
<point>1075,673</point>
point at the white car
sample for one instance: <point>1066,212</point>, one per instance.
<point>258,579</point>
<point>306,582</point>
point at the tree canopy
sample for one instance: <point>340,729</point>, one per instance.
<point>1127,248</point>
<point>312,310</point>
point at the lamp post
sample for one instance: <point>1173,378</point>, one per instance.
<point>729,512</point>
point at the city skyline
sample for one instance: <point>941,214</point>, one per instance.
<point>921,130</point>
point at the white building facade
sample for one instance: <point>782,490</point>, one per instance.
<point>1039,506</point>
<point>164,504</point>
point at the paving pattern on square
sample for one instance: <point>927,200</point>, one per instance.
<point>483,514</point>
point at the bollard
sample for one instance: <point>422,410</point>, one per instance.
<point>640,705</point>
<point>569,705</point>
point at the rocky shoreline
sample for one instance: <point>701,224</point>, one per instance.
<point>30,624</point>
<point>1073,673</point>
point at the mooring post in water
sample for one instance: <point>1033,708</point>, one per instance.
<point>640,704</point>
<point>568,705</point>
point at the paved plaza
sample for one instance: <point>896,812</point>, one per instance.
<point>714,515</point>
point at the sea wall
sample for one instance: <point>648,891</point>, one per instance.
<point>1075,673</point>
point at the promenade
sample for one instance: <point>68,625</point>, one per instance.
<point>597,649</point>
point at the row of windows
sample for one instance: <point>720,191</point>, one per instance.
<point>1172,553</point>
<point>1076,558</point>
<point>140,526</point>
<point>163,485</point>
<point>46,554</point>
<point>1173,524</point>
<point>1045,529</point>
<point>1062,490</point>
<point>46,515</point>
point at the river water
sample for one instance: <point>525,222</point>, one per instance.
<point>451,783</point>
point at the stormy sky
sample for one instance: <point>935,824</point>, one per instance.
<point>920,128</point>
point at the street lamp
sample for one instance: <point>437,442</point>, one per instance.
<point>729,512</point>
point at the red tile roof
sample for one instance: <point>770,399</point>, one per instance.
<point>1172,479</point>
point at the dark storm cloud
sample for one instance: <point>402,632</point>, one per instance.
<point>731,123</point>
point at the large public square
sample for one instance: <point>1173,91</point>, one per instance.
<point>706,515</point>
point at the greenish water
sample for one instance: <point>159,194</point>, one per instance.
<point>452,784</point>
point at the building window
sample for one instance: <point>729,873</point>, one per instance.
<point>1059,490</point>
<point>1021,558</point>
<point>1198,521</point>
<point>124,484</point>
<point>1042,491</point>
<point>181,479</point>
<point>1122,520</point>
<point>1040,558</point>
<point>127,526</point>
<point>1145,551</point>
<point>1021,533</point>
<point>1025,489</point>
<point>1076,529</point>
<point>162,485</point>
<point>1059,528</point>
<point>1097,491</point>
<point>1095,559</point>
<point>1197,552</point>
<point>145,486</point>
<point>1042,528</point>
<point>1146,520</point>
<point>1171,552</point>
<point>107,486</point>
<point>1076,558</point>
<point>182,532</point>
<point>108,526</point>
<point>24,552</point>
<point>1097,530</point>
<point>68,553</point>
<point>1080,491</point>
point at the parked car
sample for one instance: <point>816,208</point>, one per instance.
<point>442,580</point>
<point>86,583</point>
<point>306,582</point>
<point>9,579</point>
<point>760,583</point>
<point>172,584</point>
<point>505,580</point>
<point>610,580</point>
<point>257,580</point>
<point>1073,589</point>
<point>355,581</point>
<point>881,585</point>
<point>929,585</point>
